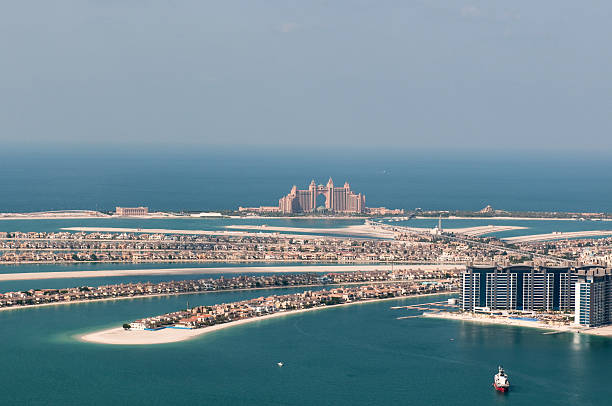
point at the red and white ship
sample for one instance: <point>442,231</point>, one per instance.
<point>500,381</point>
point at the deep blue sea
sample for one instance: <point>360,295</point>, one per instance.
<point>214,179</point>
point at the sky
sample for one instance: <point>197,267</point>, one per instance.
<point>412,74</point>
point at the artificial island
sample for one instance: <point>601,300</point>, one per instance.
<point>556,280</point>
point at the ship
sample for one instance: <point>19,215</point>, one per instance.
<point>500,380</point>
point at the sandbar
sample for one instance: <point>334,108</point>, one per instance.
<point>260,232</point>
<point>353,230</point>
<point>557,236</point>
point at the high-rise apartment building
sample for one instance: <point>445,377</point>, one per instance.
<point>593,298</point>
<point>519,287</point>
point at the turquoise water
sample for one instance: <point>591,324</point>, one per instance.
<point>188,223</point>
<point>358,355</point>
<point>532,226</point>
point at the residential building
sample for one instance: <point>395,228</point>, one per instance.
<point>519,287</point>
<point>593,298</point>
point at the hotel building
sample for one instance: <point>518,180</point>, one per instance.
<point>593,292</point>
<point>132,211</point>
<point>519,287</point>
<point>337,199</point>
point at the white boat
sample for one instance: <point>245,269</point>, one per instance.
<point>280,364</point>
<point>500,380</point>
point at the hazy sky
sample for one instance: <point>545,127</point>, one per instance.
<point>409,74</point>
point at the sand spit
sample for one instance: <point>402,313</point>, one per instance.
<point>557,236</point>
<point>509,218</point>
<point>217,270</point>
<point>119,336</point>
<point>263,231</point>
<point>354,230</point>
<point>483,230</point>
<point>152,231</point>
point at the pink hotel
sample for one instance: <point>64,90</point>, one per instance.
<point>337,199</point>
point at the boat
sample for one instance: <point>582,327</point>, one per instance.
<point>280,364</point>
<point>500,380</point>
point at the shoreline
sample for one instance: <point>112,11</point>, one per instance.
<point>508,218</point>
<point>119,336</point>
<point>330,233</point>
<point>214,270</point>
<point>361,230</point>
<point>605,331</point>
<point>217,216</point>
<point>560,235</point>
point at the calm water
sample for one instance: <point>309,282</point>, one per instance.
<point>358,355</point>
<point>216,180</point>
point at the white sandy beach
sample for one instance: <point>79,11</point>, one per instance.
<point>152,231</point>
<point>504,218</point>
<point>476,318</point>
<point>217,270</point>
<point>557,236</point>
<point>353,230</point>
<point>469,231</point>
<point>484,319</point>
<point>271,231</point>
<point>483,230</point>
<point>119,336</point>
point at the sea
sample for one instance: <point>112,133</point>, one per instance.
<point>358,355</point>
<point>220,179</point>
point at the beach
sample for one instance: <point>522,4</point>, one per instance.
<point>119,336</point>
<point>505,321</point>
<point>359,232</point>
<point>219,270</point>
<point>506,218</point>
<point>353,230</point>
<point>557,236</point>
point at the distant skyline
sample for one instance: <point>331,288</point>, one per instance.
<point>424,74</point>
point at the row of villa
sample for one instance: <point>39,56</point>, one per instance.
<point>204,316</point>
<point>46,296</point>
